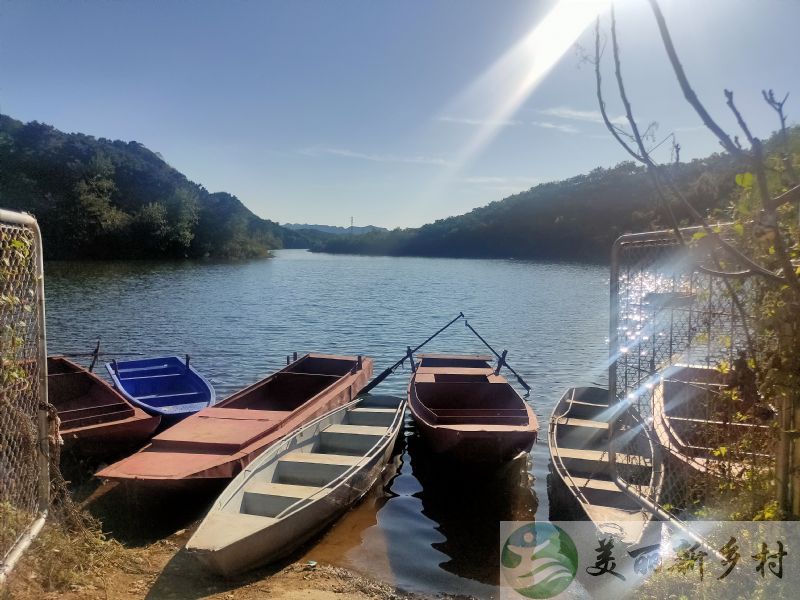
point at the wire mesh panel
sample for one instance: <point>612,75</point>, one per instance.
<point>681,355</point>
<point>24,477</point>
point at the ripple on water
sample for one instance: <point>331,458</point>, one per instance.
<point>427,528</point>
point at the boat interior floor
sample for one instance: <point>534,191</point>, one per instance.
<point>304,475</point>
<point>472,402</point>
<point>83,402</point>
<point>583,448</point>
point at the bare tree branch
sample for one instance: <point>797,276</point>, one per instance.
<point>655,171</point>
<point>622,93</point>
<point>598,78</point>
<point>777,106</point>
<point>733,147</point>
<point>643,157</point>
<point>688,92</point>
<point>738,115</point>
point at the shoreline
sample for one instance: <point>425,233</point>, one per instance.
<point>164,569</point>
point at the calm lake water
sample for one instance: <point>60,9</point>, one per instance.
<point>425,529</point>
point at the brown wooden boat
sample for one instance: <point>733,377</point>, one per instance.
<point>467,412</point>
<point>213,445</point>
<point>689,418</point>
<point>95,419</point>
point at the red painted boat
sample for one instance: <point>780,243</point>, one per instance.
<point>95,419</point>
<point>213,445</point>
<point>466,412</point>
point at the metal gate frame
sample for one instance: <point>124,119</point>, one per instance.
<point>13,554</point>
<point>666,305</point>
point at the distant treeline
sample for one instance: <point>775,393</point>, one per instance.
<point>334,229</point>
<point>576,219</point>
<point>97,198</point>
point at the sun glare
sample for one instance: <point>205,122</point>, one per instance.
<point>499,92</point>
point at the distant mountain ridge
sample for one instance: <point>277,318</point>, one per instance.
<point>333,229</point>
<point>98,198</point>
<point>575,219</point>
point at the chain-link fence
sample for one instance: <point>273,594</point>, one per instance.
<point>681,353</point>
<point>24,477</point>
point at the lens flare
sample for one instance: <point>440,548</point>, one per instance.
<point>499,92</point>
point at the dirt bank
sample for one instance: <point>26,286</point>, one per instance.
<point>164,570</point>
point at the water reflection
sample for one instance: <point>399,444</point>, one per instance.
<point>427,529</point>
<point>467,507</point>
<point>432,527</point>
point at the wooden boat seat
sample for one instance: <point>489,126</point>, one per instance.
<point>220,430</point>
<point>589,463</point>
<point>600,456</point>
<point>480,416</point>
<point>135,378</point>
<point>168,395</point>
<point>269,499</point>
<point>605,485</point>
<point>571,421</point>
<point>452,376</point>
<point>281,489</point>
<point>320,458</point>
<point>586,410</point>
<point>454,370</point>
<point>350,439</point>
<point>179,399</point>
<point>312,468</point>
<point>455,361</point>
<point>371,416</point>
<point>371,430</point>
<point>92,415</point>
<point>455,357</point>
<point>379,401</point>
<point>706,422</point>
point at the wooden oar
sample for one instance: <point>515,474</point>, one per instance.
<point>501,359</point>
<point>391,369</point>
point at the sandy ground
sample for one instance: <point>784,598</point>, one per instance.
<point>164,570</point>
<point>151,563</point>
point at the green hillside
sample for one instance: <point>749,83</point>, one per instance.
<point>575,219</point>
<point>98,198</point>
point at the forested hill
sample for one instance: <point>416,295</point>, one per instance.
<point>575,219</point>
<point>97,198</point>
<point>334,229</point>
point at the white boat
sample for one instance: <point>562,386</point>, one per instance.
<point>299,486</point>
<point>579,451</point>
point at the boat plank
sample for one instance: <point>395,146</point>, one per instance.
<point>601,456</point>
<point>344,460</point>
<point>458,357</point>
<point>357,429</point>
<point>454,370</point>
<point>281,489</point>
<point>222,427</point>
<point>588,423</point>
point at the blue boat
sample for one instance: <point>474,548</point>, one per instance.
<point>168,386</point>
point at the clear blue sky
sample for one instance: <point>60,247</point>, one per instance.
<point>313,111</point>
